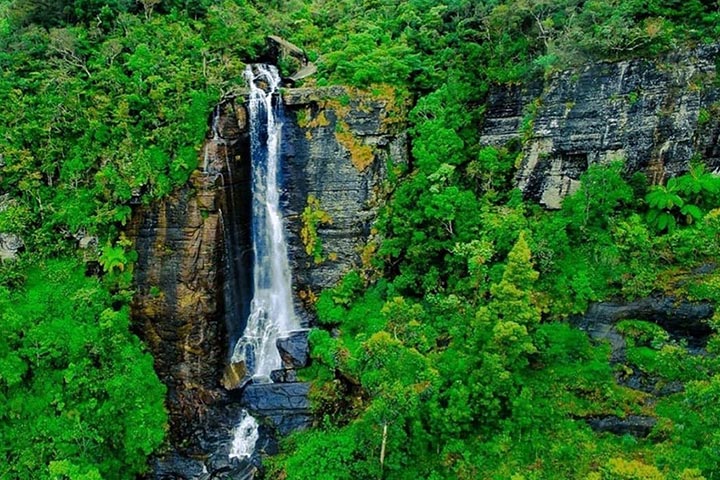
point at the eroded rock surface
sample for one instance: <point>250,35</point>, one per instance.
<point>652,114</point>
<point>339,145</point>
<point>181,269</point>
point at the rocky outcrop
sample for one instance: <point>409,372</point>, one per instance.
<point>10,243</point>
<point>340,144</point>
<point>654,115</point>
<point>636,425</point>
<point>680,318</point>
<point>684,321</point>
<point>10,246</point>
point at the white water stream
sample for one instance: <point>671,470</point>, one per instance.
<point>271,309</point>
<point>245,436</point>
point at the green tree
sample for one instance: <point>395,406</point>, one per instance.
<point>80,395</point>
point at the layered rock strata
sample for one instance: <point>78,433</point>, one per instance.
<point>655,115</point>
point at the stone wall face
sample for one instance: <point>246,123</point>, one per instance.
<point>339,146</point>
<point>653,115</point>
<point>178,308</point>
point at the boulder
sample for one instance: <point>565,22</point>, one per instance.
<point>235,376</point>
<point>277,396</point>
<point>285,405</point>
<point>294,349</point>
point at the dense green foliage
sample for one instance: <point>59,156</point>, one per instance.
<point>461,350</point>
<point>97,114</point>
<point>78,394</point>
<point>472,383</point>
<point>453,337</point>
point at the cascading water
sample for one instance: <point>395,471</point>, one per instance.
<point>271,309</point>
<point>245,436</point>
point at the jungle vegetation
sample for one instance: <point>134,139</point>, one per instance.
<point>454,336</point>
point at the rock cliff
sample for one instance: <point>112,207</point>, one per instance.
<point>193,275</point>
<point>655,115</point>
<point>339,145</point>
<point>183,266</point>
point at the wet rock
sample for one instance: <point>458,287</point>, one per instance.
<point>222,466</point>
<point>640,111</point>
<point>284,375</point>
<point>235,376</point>
<point>294,349</point>
<point>177,467</point>
<point>277,396</point>
<point>287,423</point>
<point>636,425</point>
<point>286,405</point>
<point>210,459</point>
<point>639,380</point>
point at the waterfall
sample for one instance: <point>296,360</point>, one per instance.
<point>271,310</point>
<point>245,436</point>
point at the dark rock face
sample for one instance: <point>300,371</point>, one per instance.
<point>179,306</point>
<point>294,349</point>
<point>338,146</point>
<point>211,460</point>
<point>654,115</point>
<point>286,405</point>
<point>284,375</point>
<point>635,425</point>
